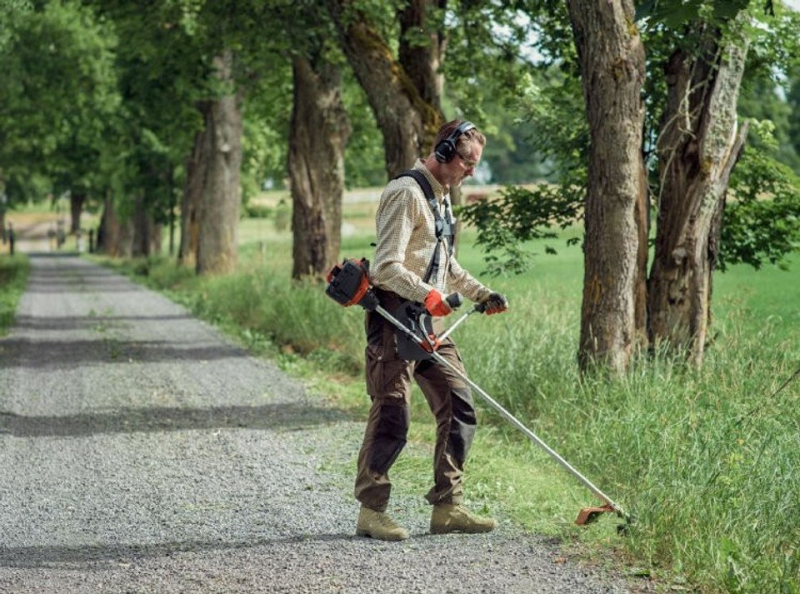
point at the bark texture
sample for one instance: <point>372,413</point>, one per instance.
<point>115,235</point>
<point>699,145</point>
<point>407,121</point>
<point>319,130</point>
<point>220,200</point>
<point>612,64</point>
<point>193,191</point>
<point>422,61</point>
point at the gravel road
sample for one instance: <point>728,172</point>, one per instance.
<point>141,451</point>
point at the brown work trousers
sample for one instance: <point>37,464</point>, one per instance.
<point>389,386</point>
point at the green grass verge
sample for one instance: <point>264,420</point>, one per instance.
<point>13,280</point>
<point>707,460</point>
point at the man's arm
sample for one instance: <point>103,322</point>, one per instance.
<point>462,281</point>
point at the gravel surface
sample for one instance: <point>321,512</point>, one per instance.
<point>141,451</point>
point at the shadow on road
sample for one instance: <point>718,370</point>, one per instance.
<point>290,416</point>
<point>67,354</point>
<point>99,321</point>
<point>76,557</point>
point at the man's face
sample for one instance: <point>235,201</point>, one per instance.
<point>463,164</point>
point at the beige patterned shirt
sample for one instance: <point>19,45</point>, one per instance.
<point>406,233</point>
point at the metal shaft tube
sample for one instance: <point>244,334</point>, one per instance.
<point>533,437</point>
<point>507,415</point>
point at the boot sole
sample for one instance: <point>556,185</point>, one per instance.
<point>448,530</point>
<point>391,538</point>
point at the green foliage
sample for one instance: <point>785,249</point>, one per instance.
<point>57,96</point>
<point>519,215</point>
<point>762,222</point>
<point>364,162</point>
<point>675,15</point>
<point>266,128</point>
<point>258,211</point>
<point>13,280</point>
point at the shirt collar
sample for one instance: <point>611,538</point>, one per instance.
<point>438,189</point>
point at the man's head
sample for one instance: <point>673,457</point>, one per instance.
<point>457,151</point>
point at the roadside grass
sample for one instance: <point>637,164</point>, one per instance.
<point>13,280</point>
<point>706,460</point>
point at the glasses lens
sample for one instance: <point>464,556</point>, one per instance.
<point>467,163</point>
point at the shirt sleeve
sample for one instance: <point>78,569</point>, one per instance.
<point>462,281</point>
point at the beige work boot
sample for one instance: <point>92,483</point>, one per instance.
<point>449,517</point>
<point>378,525</point>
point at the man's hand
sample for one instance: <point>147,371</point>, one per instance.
<point>495,303</point>
<point>436,305</point>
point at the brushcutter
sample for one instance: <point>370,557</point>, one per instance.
<point>348,284</point>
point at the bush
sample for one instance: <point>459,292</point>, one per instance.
<point>258,211</point>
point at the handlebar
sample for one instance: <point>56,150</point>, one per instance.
<point>454,300</point>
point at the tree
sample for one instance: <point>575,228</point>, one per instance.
<point>220,198</point>
<point>319,129</point>
<point>690,144</point>
<point>319,132</point>
<point>403,91</point>
<point>157,70</point>
<point>12,9</point>
<point>611,58</point>
<point>699,144</point>
<point>58,100</point>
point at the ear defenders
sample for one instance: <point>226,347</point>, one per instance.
<point>446,149</point>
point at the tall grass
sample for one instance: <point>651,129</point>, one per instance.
<point>708,460</point>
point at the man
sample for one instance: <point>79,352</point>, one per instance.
<point>413,261</point>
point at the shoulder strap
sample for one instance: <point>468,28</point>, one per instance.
<point>444,226</point>
<point>426,188</point>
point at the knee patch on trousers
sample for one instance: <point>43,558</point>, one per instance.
<point>390,437</point>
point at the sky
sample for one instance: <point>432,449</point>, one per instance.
<point>792,4</point>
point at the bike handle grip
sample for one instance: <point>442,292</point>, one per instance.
<point>454,300</point>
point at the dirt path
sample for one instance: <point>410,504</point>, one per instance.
<point>140,451</point>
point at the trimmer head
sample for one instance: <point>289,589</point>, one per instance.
<point>590,514</point>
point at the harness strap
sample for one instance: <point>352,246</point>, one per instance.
<point>445,228</point>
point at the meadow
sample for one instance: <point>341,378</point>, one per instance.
<point>706,460</point>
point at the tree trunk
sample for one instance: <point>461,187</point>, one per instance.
<point>3,206</point>
<point>422,61</point>
<point>407,121</point>
<point>318,135</point>
<point>76,202</point>
<point>642,216</point>
<point>612,66</point>
<point>698,148</point>
<point>115,236</point>
<point>141,229</point>
<point>221,197</point>
<point>193,190</point>
<point>146,232</point>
